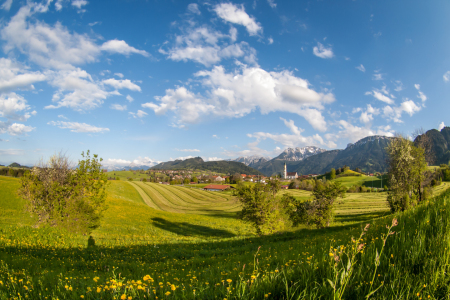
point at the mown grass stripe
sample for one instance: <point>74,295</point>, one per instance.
<point>144,196</point>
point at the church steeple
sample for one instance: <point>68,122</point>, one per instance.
<point>285,171</point>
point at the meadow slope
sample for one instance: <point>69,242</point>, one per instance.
<point>190,256</point>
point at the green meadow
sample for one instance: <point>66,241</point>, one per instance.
<point>174,242</point>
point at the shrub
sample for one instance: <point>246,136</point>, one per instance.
<point>65,197</point>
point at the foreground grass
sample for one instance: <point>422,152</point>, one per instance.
<point>215,257</point>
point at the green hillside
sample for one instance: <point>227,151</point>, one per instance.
<point>217,256</point>
<point>197,163</point>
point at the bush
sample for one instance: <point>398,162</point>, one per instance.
<point>320,210</point>
<point>65,197</point>
<point>262,208</point>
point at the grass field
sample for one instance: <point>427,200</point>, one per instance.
<point>214,255</point>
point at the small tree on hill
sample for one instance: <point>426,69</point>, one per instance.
<point>320,210</point>
<point>333,174</point>
<point>61,196</point>
<point>262,208</point>
<point>406,172</point>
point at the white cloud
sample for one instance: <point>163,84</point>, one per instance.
<point>62,117</point>
<point>446,76</point>
<point>377,76</point>
<point>215,136</point>
<point>182,157</point>
<point>272,3</point>
<point>322,52</point>
<point>208,47</point>
<point>119,75</point>
<point>213,159</point>
<point>13,76</point>
<point>129,98</point>
<point>355,133</point>
<point>139,114</point>
<point>193,8</point>
<point>79,3</point>
<point>118,107</point>
<point>122,84</point>
<point>238,94</point>
<point>377,94</point>
<point>14,128</point>
<point>361,68</point>
<point>77,90</point>
<point>14,107</point>
<point>19,129</point>
<point>441,126</point>
<point>237,15</point>
<point>54,46</point>
<point>398,86</point>
<point>78,127</point>
<point>421,96</point>
<point>7,5</point>
<point>140,161</point>
<point>188,150</point>
<point>395,113</point>
<point>270,40</point>
<point>121,47</point>
<point>291,140</point>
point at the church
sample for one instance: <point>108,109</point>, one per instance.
<point>289,175</point>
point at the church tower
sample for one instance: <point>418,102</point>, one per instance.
<point>285,173</point>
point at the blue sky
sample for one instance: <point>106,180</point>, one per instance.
<point>140,82</point>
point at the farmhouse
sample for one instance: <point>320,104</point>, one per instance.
<point>216,187</point>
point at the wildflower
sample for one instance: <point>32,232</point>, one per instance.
<point>123,297</point>
<point>266,296</point>
<point>331,254</point>
<point>229,280</point>
<point>99,289</point>
<point>82,297</point>
<point>173,287</point>
<point>167,293</point>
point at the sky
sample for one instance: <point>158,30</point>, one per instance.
<point>141,82</point>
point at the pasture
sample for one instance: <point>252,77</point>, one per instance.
<point>145,250</point>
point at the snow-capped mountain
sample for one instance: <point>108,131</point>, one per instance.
<point>297,154</point>
<point>250,160</point>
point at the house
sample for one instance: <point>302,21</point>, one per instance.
<point>216,187</point>
<point>284,187</point>
<point>291,175</point>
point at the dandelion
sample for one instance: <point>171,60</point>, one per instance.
<point>123,297</point>
<point>229,280</point>
<point>173,287</point>
<point>167,293</point>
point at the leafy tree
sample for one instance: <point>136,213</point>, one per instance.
<point>194,179</point>
<point>186,181</point>
<point>320,210</point>
<point>333,174</point>
<point>61,196</point>
<point>406,172</point>
<point>262,208</point>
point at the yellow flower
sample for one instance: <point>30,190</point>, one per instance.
<point>172,287</point>
<point>129,297</point>
<point>70,288</point>
<point>66,286</point>
<point>123,297</point>
<point>167,293</point>
<point>229,280</point>
<point>331,254</point>
<point>82,297</point>
<point>266,296</point>
<point>99,290</point>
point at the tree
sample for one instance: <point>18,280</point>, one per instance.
<point>333,174</point>
<point>61,196</point>
<point>406,172</point>
<point>320,210</point>
<point>261,207</point>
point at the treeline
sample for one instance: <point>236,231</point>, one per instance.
<point>13,172</point>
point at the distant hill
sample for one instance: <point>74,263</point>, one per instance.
<point>17,165</point>
<point>197,163</point>
<point>367,154</point>
<point>440,144</point>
